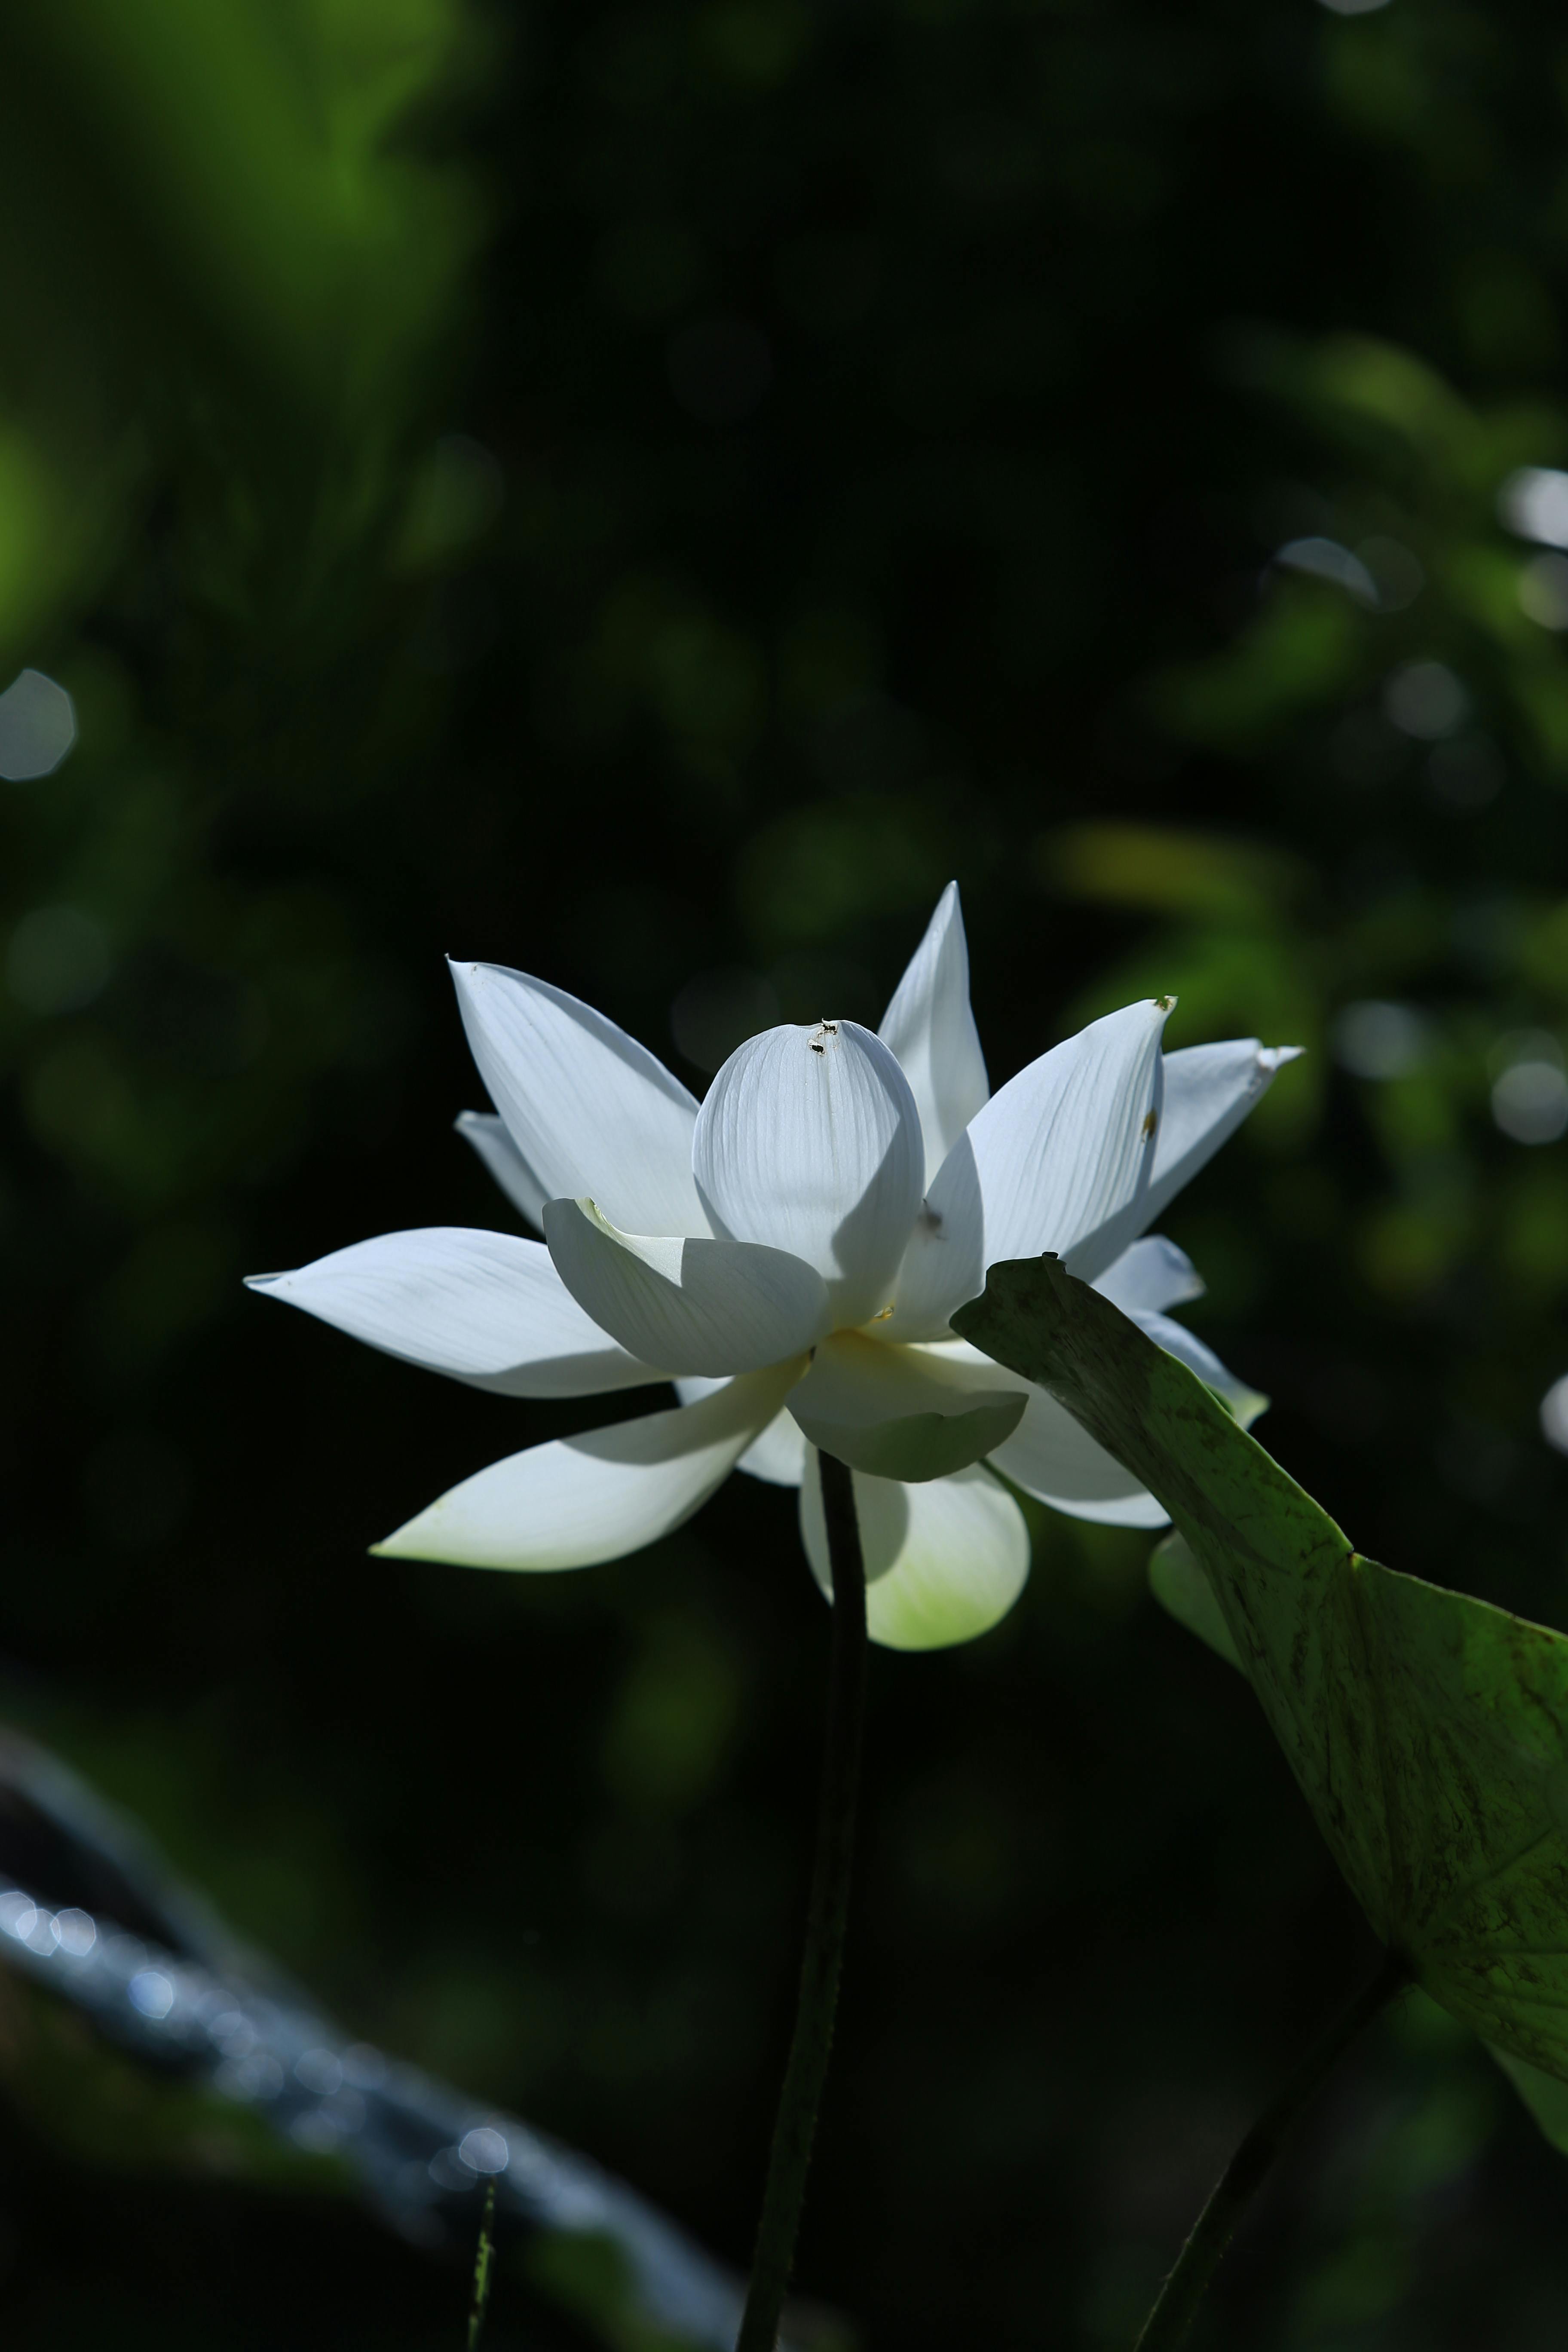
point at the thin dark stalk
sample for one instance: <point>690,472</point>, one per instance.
<point>1167,2324</point>
<point>484,2261</point>
<point>800,2094</point>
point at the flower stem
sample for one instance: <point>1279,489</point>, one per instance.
<point>1177,2303</point>
<point>800,2094</point>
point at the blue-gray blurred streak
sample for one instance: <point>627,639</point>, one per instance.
<point>185,1997</point>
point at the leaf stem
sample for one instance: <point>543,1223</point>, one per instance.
<point>1177,2303</point>
<point>800,2094</point>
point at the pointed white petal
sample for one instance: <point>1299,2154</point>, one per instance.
<point>1065,1150</point>
<point>487,1308</point>
<point>1150,1276</point>
<point>1245,1402</point>
<point>582,1499</point>
<point>777,1456</point>
<point>506,1163</point>
<point>1059,1159</point>
<point>809,1140</point>
<point>945,1563</point>
<point>705,1307</point>
<point>902,1412</point>
<point>929,1027</point>
<point>1209,1089</point>
<point>593,1114</point>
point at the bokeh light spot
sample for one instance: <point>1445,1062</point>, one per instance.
<point>484,2149</point>
<point>37,727</point>
<point>1424,699</point>
<point>1530,1102</point>
<point>1378,1040</point>
<point>1554,1414</point>
<point>1543,590</point>
<point>1533,502</point>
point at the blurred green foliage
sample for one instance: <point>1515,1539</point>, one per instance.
<point>646,494</point>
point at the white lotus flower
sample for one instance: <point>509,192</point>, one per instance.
<point>789,1253</point>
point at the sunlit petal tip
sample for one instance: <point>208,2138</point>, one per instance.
<point>577,1501</point>
<point>1208,1091</point>
<point>487,1308</point>
<point>929,1027</point>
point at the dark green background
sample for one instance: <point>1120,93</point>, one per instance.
<point>646,495</point>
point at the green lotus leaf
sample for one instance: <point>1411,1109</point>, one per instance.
<point>1428,1731</point>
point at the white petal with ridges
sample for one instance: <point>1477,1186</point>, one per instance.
<point>487,1308</point>
<point>902,1412</point>
<point>488,1135</point>
<point>929,1027</point>
<point>593,1114</point>
<point>944,1561</point>
<point>579,1500</point>
<point>809,1141</point>
<point>1209,1091</point>
<point>704,1307</point>
<point>1073,1160</point>
<point>1149,1277</point>
<point>1059,1159</point>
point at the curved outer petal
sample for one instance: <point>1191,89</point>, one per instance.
<point>929,1027</point>
<point>809,1140</point>
<point>1245,1402</point>
<point>1059,1159</point>
<point>902,1412</point>
<point>1054,1458</point>
<point>1048,1454</point>
<point>777,1456</point>
<point>692,1306</point>
<point>592,1113</point>
<point>506,1163</point>
<point>944,1561</point>
<point>487,1308</point>
<point>1149,1277</point>
<point>1209,1089</point>
<point>579,1500</point>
